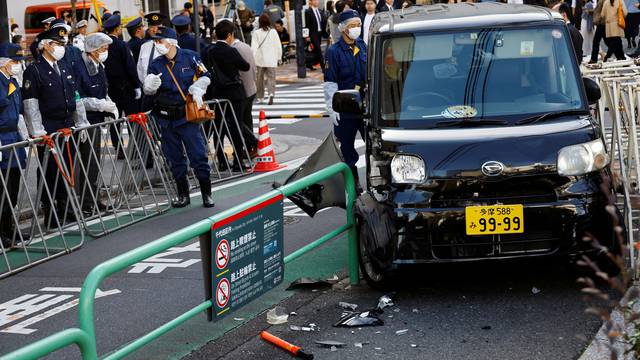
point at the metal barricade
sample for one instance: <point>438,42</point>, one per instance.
<point>37,203</point>
<point>120,175</point>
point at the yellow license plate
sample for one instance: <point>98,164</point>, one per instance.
<point>494,219</point>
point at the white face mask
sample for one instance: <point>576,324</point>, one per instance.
<point>15,69</point>
<point>161,49</point>
<point>354,33</point>
<point>58,52</point>
<point>103,56</point>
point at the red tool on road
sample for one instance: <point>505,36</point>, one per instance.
<point>293,349</point>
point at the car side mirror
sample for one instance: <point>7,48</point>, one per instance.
<point>592,89</point>
<point>347,101</point>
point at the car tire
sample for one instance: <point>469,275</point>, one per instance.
<point>374,275</point>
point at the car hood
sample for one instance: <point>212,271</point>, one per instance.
<point>461,152</point>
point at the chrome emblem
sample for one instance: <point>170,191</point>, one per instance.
<point>492,168</point>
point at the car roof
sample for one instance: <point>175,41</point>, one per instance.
<point>461,15</point>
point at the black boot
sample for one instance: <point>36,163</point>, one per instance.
<point>205,190</point>
<point>183,194</point>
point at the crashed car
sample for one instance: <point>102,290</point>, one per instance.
<point>479,140</point>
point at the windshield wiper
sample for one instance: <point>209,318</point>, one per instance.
<point>551,115</point>
<point>470,123</point>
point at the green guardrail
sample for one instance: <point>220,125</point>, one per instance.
<point>85,337</point>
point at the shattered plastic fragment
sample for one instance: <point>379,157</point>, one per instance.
<point>277,315</point>
<point>308,283</point>
<point>367,318</point>
<point>238,319</point>
<point>402,332</point>
<point>414,345</point>
<point>535,290</point>
<point>384,301</point>
<point>348,306</point>
<point>396,310</point>
<point>358,345</point>
<point>293,313</point>
<point>329,343</point>
<point>415,311</point>
<point>334,278</point>
<point>333,348</point>
<point>378,332</point>
<point>378,348</point>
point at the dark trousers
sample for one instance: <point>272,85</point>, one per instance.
<point>316,41</point>
<point>597,37</point>
<point>90,152</point>
<point>247,122</point>
<point>55,183</point>
<point>346,133</point>
<point>8,199</point>
<point>177,140</point>
<point>614,45</point>
<point>237,133</point>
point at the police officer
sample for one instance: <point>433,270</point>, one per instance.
<point>81,29</point>
<point>147,50</point>
<point>72,54</point>
<point>345,69</point>
<point>135,29</point>
<point>12,130</point>
<point>51,102</point>
<point>186,39</point>
<point>124,86</point>
<point>91,81</point>
<point>168,109</point>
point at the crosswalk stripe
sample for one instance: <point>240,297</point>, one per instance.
<point>289,100</point>
<point>306,106</point>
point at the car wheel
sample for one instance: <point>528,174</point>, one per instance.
<point>374,275</point>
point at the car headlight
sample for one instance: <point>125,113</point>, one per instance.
<point>407,169</point>
<point>582,158</point>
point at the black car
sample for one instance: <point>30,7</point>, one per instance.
<point>480,142</point>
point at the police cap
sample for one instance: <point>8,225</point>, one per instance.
<point>11,51</point>
<point>48,20</point>
<point>112,22</point>
<point>81,24</point>
<point>154,19</point>
<point>58,34</point>
<point>137,22</point>
<point>180,20</point>
<point>165,33</point>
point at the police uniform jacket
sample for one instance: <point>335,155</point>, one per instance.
<point>134,44</point>
<point>188,41</point>
<point>121,71</point>
<point>72,56</point>
<point>346,65</point>
<point>10,110</point>
<point>91,80</point>
<point>55,93</point>
<point>187,68</point>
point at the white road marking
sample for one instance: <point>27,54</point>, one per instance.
<point>159,263</point>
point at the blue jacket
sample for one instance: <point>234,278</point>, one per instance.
<point>92,85</point>
<point>55,93</point>
<point>10,109</point>
<point>187,68</point>
<point>121,71</point>
<point>188,41</point>
<point>345,66</point>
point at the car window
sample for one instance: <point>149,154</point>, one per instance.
<point>34,20</point>
<point>498,73</point>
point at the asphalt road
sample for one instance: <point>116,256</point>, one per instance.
<point>474,311</point>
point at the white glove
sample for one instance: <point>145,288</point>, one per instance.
<point>22,128</point>
<point>108,106</point>
<point>198,100</point>
<point>138,93</point>
<point>84,136</point>
<point>335,117</point>
<point>151,84</point>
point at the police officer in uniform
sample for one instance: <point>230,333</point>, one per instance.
<point>169,112</point>
<point>147,50</point>
<point>345,69</point>
<point>91,81</point>
<point>51,102</point>
<point>12,130</point>
<point>186,39</point>
<point>135,29</point>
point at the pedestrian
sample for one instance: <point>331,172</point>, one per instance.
<point>367,19</point>
<point>124,85</point>
<point>148,53</point>
<point>267,52</point>
<point>285,41</point>
<point>51,102</point>
<point>91,81</point>
<point>574,33</point>
<point>334,21</point>
<point>275,12</point>
<point>613,31</point>
<point>78,39</point>
<point>587,26</point>
<point>181,67</point>
<point>15,28</point>
<point>599,33</point>
<point>315,25</point>
<point>248,79</point>
<point>226,63</point>
<point>206,25</point>
<point>632,21</point>
<point>346,70</point>
<point>186,39</point>
<point>386,5</point>
<point>135,28</point>
<point>12,130</point>
<point>246,17</point>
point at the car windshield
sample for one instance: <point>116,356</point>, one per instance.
<point>498,74</point>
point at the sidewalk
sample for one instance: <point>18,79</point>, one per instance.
<point>288,74</point>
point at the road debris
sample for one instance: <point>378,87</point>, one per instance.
<point>348,306</point>
<point>402,332</point>
<point>293,349</point>
<point>486,327</point>
<point>415,311</point>
<point>310,327</point>
<point>238,319</point>
<point>366,318</point>
<point>360,344</point>
<point>308,283</point>
<point>384,301</point>
<point>277,315</point>
<point>414,345</point>
<point>333,279</point>
<point>535,290</point>
<point>330,343</point>
<point>333,348</point>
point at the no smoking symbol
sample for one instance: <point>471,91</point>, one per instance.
<point>222,254</point>
<point>223,292</point>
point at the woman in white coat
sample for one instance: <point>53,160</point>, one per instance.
<point>267,51</point>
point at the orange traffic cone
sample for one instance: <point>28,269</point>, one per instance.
<point>266,160</point>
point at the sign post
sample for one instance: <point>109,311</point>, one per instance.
<point>246,257</point>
